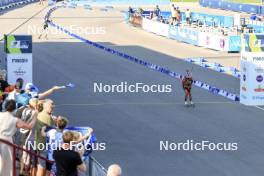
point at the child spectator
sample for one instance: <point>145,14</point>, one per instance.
<point>68,161</point>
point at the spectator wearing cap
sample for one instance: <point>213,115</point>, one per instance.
<point>8,126</point>
<point>34,91</point>
<point>114,170</point>
<point>68,162</point>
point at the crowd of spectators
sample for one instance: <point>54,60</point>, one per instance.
<point>156,15</point>
<point>27,120</point>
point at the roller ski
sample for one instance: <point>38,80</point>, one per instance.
<point>189,104</point>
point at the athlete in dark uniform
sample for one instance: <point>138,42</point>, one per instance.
<point>45,27</point>
<point>187,82</point>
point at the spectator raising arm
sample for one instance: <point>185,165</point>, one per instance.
<point>43,95</point>
<point>90,130</point>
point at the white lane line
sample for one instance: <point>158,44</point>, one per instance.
<point>259,108</point>
<point>124,103</point>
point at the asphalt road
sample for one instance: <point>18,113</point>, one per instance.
<point>133,124</point>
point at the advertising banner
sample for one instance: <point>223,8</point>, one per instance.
<point>252,70</point>
<point>156,27</point>
<point>184,35</point>
<point>19,63</point>
<point>234,43</point>
<point>224,21</point>
<point>248,8</point>
<point>216,42</point>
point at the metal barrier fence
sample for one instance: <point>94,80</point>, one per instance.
<point>94,167</point>
<point>7,4</point>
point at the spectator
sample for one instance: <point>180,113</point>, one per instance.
<point>3,85</point>
<point>114,170</point>
<point>130,11</point>
<point>162,19</point>
<point>8,127</point>
<point>13,90</point>
<point>188,16</point>
<point>177,15</point>
<point>172,8</point>
<point>44,119</point>
<point>140,11</point>
<point>33,91</point>
<point>173,13</point>
<point>68,161</point>
<point>151,15</point>
<point>25,113</point>
<point>157,11</point>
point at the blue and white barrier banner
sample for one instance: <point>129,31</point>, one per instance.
<point>214,66</point>
<point>184,35</point>
<point>156,27</point>
<point>212,41</point>
<point>193,36</point>
<point>225,5</point>
<point>7,4</point>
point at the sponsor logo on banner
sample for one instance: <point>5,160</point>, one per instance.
<point>244,77</point>
<point>259,89</point>
<point>258,58</point>
<point>259,78</point>
<point>244,69</point>
<point>20,72</point>
<point>244,97</point>
<point>244,58</point>
<point>207,40</point>
<point>258,97</point>
<point>20,44</point>
<point>222,43</point>
<point>19,60</point>
<point>259,70</point>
